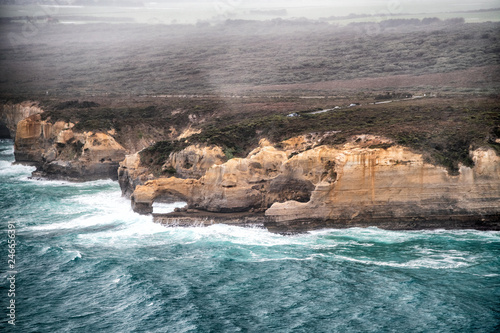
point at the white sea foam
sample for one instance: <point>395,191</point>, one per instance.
<point>285,259</point>
<point>105,207</point>
<point>9,151</point>
<point>241,235</point>
<point>77,254</point>
<point>107,201</point>
<point>78,223</point>
<point>463,234</point>
<point>140,227</point>
<point>434,262</point>
<point>64,183</point>
<point>10,169</point>
<point>164,208</point>
<point>368,235</point>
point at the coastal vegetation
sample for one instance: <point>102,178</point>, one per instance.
<point>444,130</point>
<point>237,81</point>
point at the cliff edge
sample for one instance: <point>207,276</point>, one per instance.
<point>300,187</point>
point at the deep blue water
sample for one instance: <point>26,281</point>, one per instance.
<point>86,263</point>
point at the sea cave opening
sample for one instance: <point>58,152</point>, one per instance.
<point>4,132</point>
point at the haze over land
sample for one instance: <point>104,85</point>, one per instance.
<point>193,11</point>
<point>236,47</point>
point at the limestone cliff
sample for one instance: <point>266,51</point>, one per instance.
<point>131,174</point>
<point>249,184</point>
<point>301,188</point>
<point>394,188</point>
<point>59,152</point>
<point>191,162</point>
<point>12,113</point>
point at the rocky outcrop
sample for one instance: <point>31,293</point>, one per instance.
<point>191,162</point>
<point>194,161</point>
<point>12,113</point>
<point>59,152</point>
<point>324,186</point>
<point>131,174</point>
<point>239,185</point>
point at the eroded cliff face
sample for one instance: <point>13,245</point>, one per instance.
<point>132,174</point>
<point>59,152</point>
<point>395,188</point>
<point>191,162</point>
<point>301,188</point>
<point>239,185</point>
<point>12,113</point>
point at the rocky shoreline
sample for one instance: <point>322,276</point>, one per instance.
<point>291,186</point>
<point>201,218</point>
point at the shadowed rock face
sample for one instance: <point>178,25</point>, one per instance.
<point>58,152</point>
<point>131,174</point>
<point>11,114</point>
<point>4,132</point>
<point>331,187</point>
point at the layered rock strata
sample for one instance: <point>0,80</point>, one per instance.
<point>239,185</point>
<point>59,152</point>
<point>336,187</point>
<point>396,189</point>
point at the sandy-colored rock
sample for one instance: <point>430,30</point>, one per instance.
<point>240,184</point>
<point>11,114</point>
<point>131,174</point>
<point>354,185</point>
<point>195,160</point>
<point>163,189</point>
<point>61,153</point>
<point>191,162</point>
<point>382,185</point>
<point>188,132</point>
<point>102,147</point>
<point>30,141</point>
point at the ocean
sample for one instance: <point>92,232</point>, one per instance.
<point>79,260</point>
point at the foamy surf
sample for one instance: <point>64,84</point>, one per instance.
<point>82,241</point>
<point>65,183</point>
<point>445,261</point>
<point>165,208</point>
<point>10,169</point>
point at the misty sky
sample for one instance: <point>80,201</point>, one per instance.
<point>341,7</point>
<point>429,4</point>
<point>325,8</point>
<point>193,11</point>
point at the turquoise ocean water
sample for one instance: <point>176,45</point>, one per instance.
<point>86,263</point>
